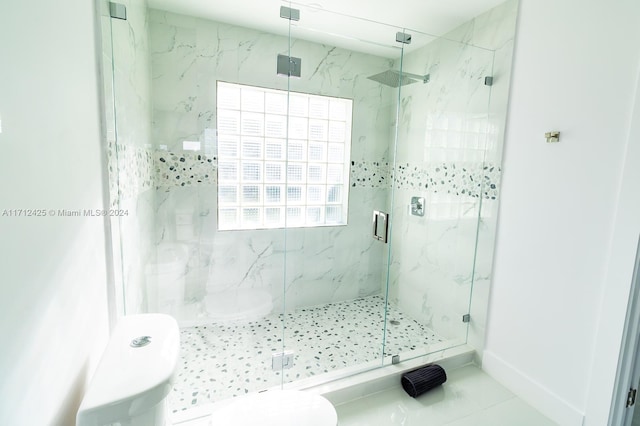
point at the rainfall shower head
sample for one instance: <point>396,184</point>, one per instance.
<point>395,78</point>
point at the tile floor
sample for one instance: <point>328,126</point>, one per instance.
<point>221,361</point>
<point>469,398</point>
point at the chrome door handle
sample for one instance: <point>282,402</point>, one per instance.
<point>380,233</point>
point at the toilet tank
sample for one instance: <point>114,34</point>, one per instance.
<point>135,374</point>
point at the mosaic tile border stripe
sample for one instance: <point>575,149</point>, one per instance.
<point>131,171</point>
<point>185,169</point>
<point>370,174</point>
<point>464,179</point>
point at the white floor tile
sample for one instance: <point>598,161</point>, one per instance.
<point>478,386</point>
<point>509,413</point>
<point>395,407</point>
<point>469,398</point>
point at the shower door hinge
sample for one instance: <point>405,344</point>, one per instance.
<point>403,37</point>
<point>631,397</point>
<point>118,11</point>
<point>466,318</point>
<point>289,66</point>
<point>488,81</point>
<point>289,13</point>
<point>280,360</point>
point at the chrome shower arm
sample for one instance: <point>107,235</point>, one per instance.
<point>424,78</point>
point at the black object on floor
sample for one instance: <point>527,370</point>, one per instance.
<point>417,382</point>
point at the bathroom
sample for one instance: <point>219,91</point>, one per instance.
<point>66,293</point>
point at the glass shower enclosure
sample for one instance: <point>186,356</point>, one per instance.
<point>305,199</point>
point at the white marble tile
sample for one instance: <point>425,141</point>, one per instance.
<point>478,385</point>
<point>468,397</point>
<point>490,30</point>
<point>394,407</point>
<point>190,54</point>
<point>511,412</point>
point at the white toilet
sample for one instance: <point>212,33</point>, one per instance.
<point>275,408</point>
<point>136,372</point>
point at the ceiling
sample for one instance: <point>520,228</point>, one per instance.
<point>334,21</point>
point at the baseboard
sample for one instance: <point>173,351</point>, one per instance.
<point>538,396</point>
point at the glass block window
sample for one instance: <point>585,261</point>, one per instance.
<point>283,158</point>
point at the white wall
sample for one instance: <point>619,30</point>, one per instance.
<point>615,292</point>
<point>53,308</point>
<point>575,70</point>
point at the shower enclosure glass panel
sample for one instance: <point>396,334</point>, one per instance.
<point>128,106</point>
<point>185,136</point>
<point>342,137</point>
<point>217,85</point>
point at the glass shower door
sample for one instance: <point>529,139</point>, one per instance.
<point>340,152</point>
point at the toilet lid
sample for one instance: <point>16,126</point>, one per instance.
<point>275,408</point>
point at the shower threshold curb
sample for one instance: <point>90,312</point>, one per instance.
<point>377,380</point>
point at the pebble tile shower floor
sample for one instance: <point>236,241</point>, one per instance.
<point>220,361</point>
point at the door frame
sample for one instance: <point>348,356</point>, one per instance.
<point>628,373</point>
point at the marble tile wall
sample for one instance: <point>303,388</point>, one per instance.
<point>131,171</point>
<point>256,259</point>
<point>328,264</point>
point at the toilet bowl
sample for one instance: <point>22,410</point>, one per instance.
<point>135,374</point>
<point>275,408</point>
